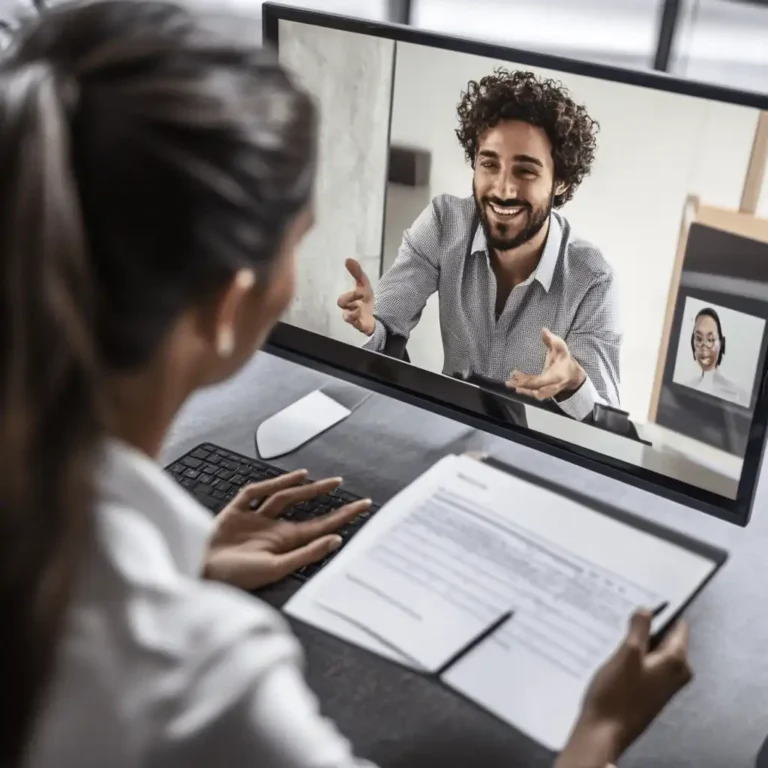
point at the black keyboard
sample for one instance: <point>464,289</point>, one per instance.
<point>214,475</point>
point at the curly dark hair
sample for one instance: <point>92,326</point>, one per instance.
<point>541,102</point>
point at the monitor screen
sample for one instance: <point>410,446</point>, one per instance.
<point>576,243</point>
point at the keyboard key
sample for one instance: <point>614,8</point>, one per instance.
<point>211,503</point>
<point>312,569</point>
<point>345,496</point>
<point>303,512</point>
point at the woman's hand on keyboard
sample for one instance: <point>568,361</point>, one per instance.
<point>628,692</point>
<point>251,547</point>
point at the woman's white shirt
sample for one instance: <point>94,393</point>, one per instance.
<point>160,669</point>
<point>716,384</point>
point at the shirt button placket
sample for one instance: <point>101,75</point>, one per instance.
<point>501,332</point>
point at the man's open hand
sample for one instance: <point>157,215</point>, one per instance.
<point>562,374</point>
<point>357,304</point>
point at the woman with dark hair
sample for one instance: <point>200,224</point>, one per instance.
<point>708,347</point>
<point>157,175</point>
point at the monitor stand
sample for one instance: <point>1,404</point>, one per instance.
<point>762,756</point>
<point>307,418</point>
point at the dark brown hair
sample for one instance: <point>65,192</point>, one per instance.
<point>541,102</point>
<point>147,153</point>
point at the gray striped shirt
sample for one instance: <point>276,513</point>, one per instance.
<point>572,292</point>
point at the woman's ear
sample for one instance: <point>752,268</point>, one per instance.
<point>227,308</point>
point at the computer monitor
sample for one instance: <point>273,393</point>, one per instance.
<point>489,194</point>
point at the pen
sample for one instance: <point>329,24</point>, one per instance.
<point>659,636</point>
<point>472,644</point>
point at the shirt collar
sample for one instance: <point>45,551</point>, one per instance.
<point>131,479</point>
<point>545,272</point>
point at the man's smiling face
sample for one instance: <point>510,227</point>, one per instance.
<point>513,183</point>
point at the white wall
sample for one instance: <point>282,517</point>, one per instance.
<point>351,77</point>
<point>655,148</point>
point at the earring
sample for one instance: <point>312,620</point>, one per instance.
<point>225,344</point>
<point>245,279</point>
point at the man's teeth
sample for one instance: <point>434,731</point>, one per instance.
<point>505,211</point>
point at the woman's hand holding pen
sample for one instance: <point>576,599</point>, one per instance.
<point>628,692</point>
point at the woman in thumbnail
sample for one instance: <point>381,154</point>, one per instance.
<point>708,346</point>
<point>157,178</point>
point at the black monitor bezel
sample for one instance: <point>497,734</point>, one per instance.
<point>434,392</point>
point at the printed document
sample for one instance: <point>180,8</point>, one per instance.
<point>466,544</point>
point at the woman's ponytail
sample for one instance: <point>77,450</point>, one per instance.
<point>190,154</point>
<point>50,414</point>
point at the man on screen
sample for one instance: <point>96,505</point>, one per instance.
<point>522,300</point>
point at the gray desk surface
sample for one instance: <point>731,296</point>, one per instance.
<point>398,719</point>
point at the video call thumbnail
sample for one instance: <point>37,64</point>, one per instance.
<point>718,351</point>
<point>523,226</point>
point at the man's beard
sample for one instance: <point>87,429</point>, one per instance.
<point>496,235</point>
